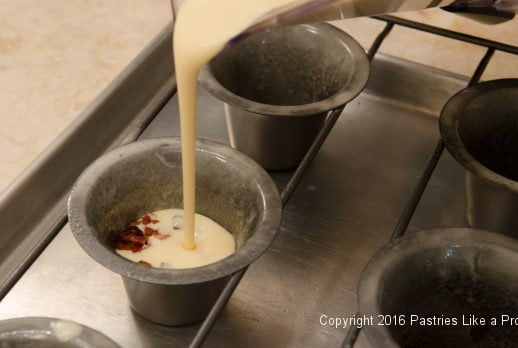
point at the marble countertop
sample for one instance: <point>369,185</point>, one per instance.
<point>57,55</point>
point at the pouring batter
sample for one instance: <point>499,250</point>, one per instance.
<point>202,29</point>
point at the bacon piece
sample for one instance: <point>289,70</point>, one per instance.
<point>134,239</point>
<point>162,236</point>
<point>122,245</point>
<point>131,239</point>
<point>148,231</point>
<point>134,247</point>
<point>146,219</point>
<point>144,263</point>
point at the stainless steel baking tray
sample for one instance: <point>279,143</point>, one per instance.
<point>345,208</point>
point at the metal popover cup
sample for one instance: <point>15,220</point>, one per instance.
<point>479,127</point>
<point>146,176</point>
<point>44,332</point>
<point>277,87</point>
<point>432,288</point>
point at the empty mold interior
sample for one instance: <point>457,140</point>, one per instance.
<point>286,66</point>
<point>488,128</point>
<point>455,282</point>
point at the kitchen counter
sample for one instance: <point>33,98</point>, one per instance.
<point>57,55</point>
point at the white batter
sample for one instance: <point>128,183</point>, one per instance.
<point>66,331</point>
<point>201,30</point>
<point>166,250</point>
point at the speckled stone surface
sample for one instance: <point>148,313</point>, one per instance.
<point>441,52</point>
<point>57,55</point>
